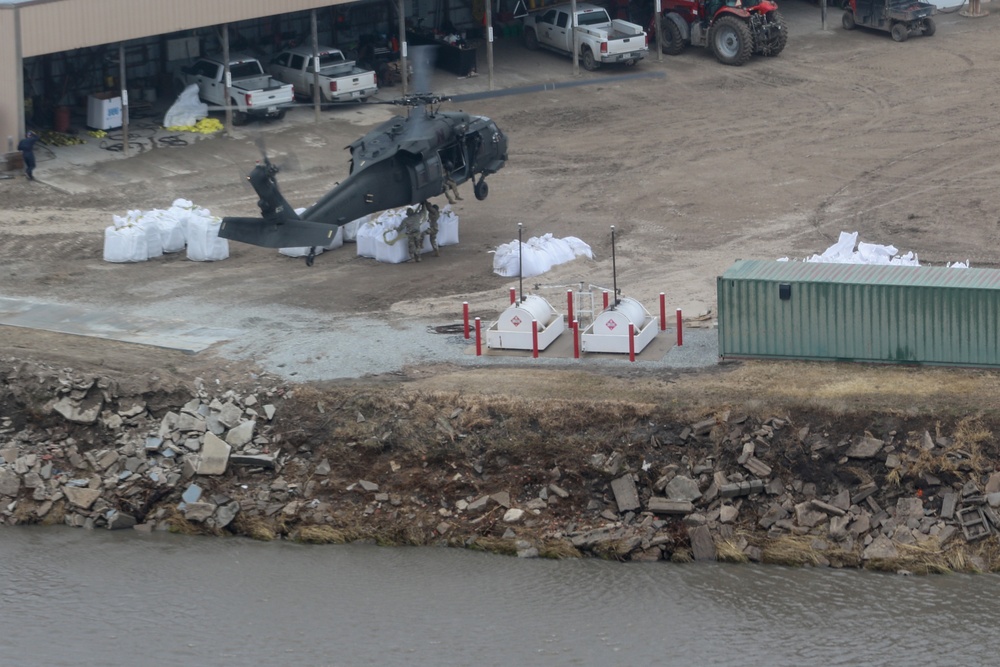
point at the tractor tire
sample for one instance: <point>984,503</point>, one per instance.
<point>779,36</point>
<point>900,32</point>
<point>530,40</point>
<point>731,41</point>
<point>673,41</point>
<point>929,27</point>
<point>848,20</point>
<point>589,63</point>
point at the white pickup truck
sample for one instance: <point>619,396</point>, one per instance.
<point>252,91</point>
<point>599,40</point>
<point>340,80</point>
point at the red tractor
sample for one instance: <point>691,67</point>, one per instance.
<point>733,29</point>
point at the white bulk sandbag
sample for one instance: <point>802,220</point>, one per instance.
<point>365,238</point>
<point>391,247</point>
<point>351,228</point>
<point>126,243</point>
<point>536,255</point>
<point>337,241</point>
<point>447,227</point>
<point>300,251</point>
<point>154,242</point>
<point>203,242</point>
<point>187,110</point>
<point>171,231</point>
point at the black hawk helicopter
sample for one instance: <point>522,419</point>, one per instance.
<point>402,162</point>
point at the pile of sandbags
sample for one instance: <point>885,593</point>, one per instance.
<point>302,251</point>
<point>142,235</point>
<point>537,255</point>
<point>378,236</point>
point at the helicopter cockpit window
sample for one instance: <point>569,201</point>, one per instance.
<point>548,17</point>
<point>297,62</point>
<point>563,20</point>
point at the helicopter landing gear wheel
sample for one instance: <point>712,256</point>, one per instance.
<point>311,257</point>
<point>481,189</point>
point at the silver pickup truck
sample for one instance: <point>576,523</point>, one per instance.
<point>597,39</point>
<point>340,80</point>
<point>252,91</point>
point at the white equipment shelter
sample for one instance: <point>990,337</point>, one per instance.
<point>513,330</point>
<point>609,331</point>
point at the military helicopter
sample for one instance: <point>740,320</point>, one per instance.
<point>402,162</point>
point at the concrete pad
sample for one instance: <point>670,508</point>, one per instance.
<point>562,348</point>
<point>58,318</point>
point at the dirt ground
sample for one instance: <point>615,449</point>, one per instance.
<point>844,131</point>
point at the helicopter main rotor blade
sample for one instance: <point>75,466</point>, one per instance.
<point>422,57</point>
<point>541,87</point>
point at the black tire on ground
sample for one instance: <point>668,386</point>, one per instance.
<point>731,41</point>
<point>848,20</point>
<point>530,40</point>
<point>779,36</point>
<point>929,27</point>
<point>281,114</point>
<point>589,63</point>
<point>240,118</point>
<point>900,32</point>
<point>481,190</point>
<point>673,41</point>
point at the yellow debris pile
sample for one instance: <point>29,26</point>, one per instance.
<point>53,138</point>
<point>97,134</point>
<point>203,126</point>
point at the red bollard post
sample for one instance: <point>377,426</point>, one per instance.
<point>663,311</point>
<point>479,339</point>
<point>576,339</point>
<point>631,342</point>
<point>569,305</point>
<point>680,329</point>
<point>605,299</point>
<point>513,295</point>
<point>465,318</point>
<point>534,339</point>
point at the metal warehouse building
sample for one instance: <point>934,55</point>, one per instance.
<point>53,53</point>
<point>852,312</point>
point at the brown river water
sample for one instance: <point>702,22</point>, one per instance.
<point>77,597</point>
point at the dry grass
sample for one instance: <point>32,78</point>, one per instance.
<point>558,549</point>
<point>494,545</point>
<point>319,535</point>
<point>729,552</point>
<point>253,527</point>
<point>793,550</point>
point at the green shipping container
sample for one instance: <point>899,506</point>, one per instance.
<point>860,312</point>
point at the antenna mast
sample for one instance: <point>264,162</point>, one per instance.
<point>614,268</point>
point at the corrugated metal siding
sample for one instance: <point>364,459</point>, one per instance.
<point>861,313</point>
<point>10,102</point>
<point>61,25</point>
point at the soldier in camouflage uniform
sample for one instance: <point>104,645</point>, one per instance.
<point>433,215</point>
<point>411,227</point>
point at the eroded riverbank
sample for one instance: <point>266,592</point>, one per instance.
<point>552,478</point>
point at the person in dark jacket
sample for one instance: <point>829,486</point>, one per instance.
<point>27,148</point>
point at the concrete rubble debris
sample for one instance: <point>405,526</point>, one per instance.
<point>210,459</point>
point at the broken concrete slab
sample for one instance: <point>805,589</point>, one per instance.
<point>668,506</point>
<point>864,448</point>
<point>626,495</point>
